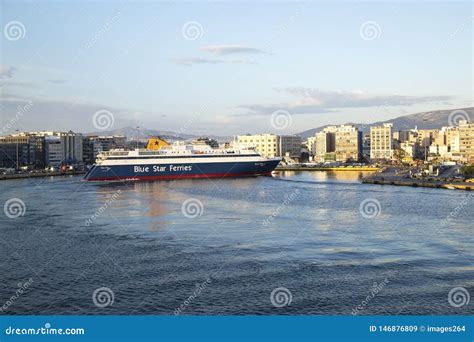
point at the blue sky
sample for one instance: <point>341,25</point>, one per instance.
<point>321,62</point>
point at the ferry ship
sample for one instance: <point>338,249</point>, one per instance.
<point>161,160</point>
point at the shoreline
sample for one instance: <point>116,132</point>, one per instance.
<point>421,183</point>
<point>40,175</point>
<point>309,168</point>
<point>375,179</point>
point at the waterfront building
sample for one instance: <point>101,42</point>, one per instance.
<point>107,142</point>
<point>94,144</point>
<point>40,149</point>
<point>325,143</point>
<point>466,141</point>
<point>271,145</point>
<point>71,144</point>
<point>206,141</point>
<point>445,145</point>
<point>14,151</point>
<point>338,143</point>
<point>22,149</point>
<point>381,142</point>
<point>53,151</point>
<point>311,145</point>
<point>90,149</point>
<point>348,143</point>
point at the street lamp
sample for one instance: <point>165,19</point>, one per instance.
<point>138,127</point>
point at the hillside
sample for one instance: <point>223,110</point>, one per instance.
<point>423,120</point>
<point>143,134</point>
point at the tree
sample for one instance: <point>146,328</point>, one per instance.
<point>468,171</point>
<point>399,154</point>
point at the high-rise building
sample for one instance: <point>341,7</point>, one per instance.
<point>71,147</point>
<point>93,145</point>
<point>466,141</point>
<point>325,144</point>
<point>381,142</point>
<point>20,150</point>
<point>40,149</point>
<point>348,143</point>
<point>338,143</point>
<point>53,150</point>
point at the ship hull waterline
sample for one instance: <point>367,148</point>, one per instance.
<point>151,171</point>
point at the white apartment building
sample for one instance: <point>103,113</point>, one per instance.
<point>325,143</point>
<point>311,145</point>
<point>53,151</point>
<point>61,147</point>
<point>446,145</point>
<point>466,141</point>
<point>381,142</point>
<point>271,145</point>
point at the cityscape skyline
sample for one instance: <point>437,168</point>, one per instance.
<point>232,67</point>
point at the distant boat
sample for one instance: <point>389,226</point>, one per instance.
<point>161,160</point>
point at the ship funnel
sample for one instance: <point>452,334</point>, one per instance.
<point>156,143</point>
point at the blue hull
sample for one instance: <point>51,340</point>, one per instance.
<point>183,170</point>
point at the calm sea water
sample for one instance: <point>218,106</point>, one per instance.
<point>223,246</point>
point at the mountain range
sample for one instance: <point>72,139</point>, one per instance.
<point>144,133</point>
<point>424,120</point>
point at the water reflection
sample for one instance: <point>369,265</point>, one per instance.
<point>322,176</point>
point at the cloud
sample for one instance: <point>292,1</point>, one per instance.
<point>53,114</point>
<point>351,99</point>
<point>56,81</point>
<point>10,84</point>
<point>6,71</point>
<point>291,108</point>
<point>198,60</point>
<point>220,50</point>
<point>315,101</point>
